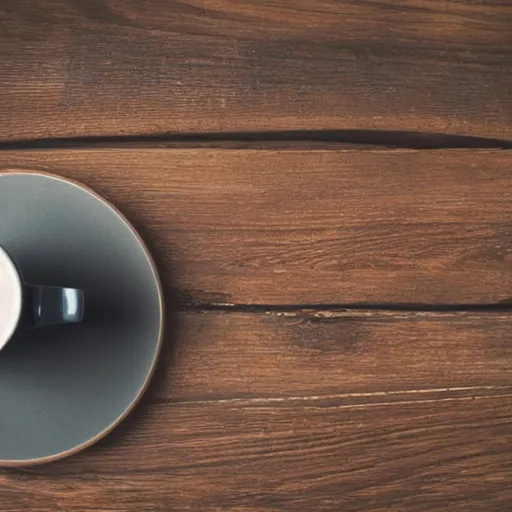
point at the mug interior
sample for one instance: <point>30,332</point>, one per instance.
<point>10,297</point>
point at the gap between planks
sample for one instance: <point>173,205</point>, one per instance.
<point>282,139</point>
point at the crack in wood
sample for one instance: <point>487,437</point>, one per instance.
<point>250,140</point>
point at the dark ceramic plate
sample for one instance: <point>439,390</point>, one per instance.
<point>62,388</point>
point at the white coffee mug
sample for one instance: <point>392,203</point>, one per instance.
<point>28,306</point>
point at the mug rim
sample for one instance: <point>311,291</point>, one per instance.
<point>13,319</point>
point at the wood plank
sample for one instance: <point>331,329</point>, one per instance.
<point>415,456</point>
<point>216,355</point>
<point>129,67</point>
<point>311,227</point>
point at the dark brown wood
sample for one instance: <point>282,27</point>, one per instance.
<point>112,67</point>
<point>420,455</point>
<point>293,408</point>
<point>304,227</point>
<point>283,354</point>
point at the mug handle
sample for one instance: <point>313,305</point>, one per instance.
<point>50,305</point>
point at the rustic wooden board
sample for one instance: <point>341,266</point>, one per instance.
<point>118,67</point>
<point>303,227</point>
<point>425,455</point>
<point>217,355</point>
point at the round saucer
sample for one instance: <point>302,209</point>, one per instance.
<point>64,387</point>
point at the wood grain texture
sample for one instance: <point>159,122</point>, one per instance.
<point>416,456</point>
<point>218,355</point>
<point>311,227</point>
<point>293,408</point>
<point>114,67</point>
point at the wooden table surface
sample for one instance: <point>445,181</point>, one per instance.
<point>327,189</point>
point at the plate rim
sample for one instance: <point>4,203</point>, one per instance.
<point>90,442</point>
